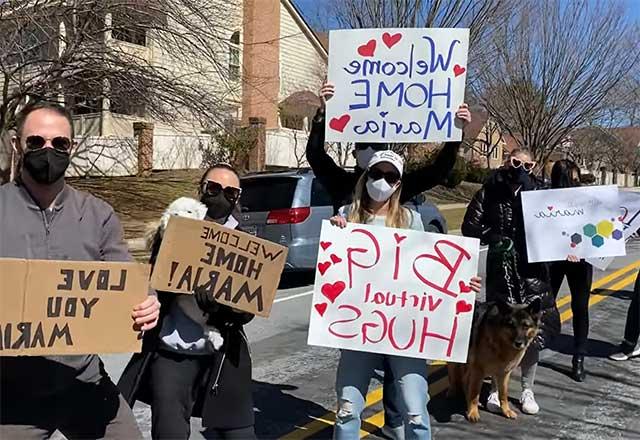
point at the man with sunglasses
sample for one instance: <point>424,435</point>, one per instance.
<point>340,182</point>
<point>43,218</point>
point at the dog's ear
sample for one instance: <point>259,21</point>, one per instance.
<point>502,308</point>
<point>535,308</point>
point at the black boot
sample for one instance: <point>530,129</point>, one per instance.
<point>578,372</point>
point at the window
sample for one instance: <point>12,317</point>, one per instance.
<point>234,57</point>
<point>494,154</point>
<point>263,194</point>
<point>127,96</point>
<point>319,194</point>
<point>127,28</point>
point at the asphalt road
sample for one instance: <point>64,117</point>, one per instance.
<point>294,383</point>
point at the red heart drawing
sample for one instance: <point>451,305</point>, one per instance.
<point>399,237</point>
<point>549,208</point>
<point>463,287</point>
<point>463,307</point>
<point>321,308</point>
<point>338,124</point>
<point>332,291</point>
<point>335,259</point>
<point>391,40</point>
<point>458,70</point>
<point>325,245</point>
<point>367,50</point>
<point>323,267</point>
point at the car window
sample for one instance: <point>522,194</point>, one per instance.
<point>319,195</point>
<point>267,193</point>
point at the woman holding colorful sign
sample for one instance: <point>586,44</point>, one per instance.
<point>495,216</point>
<point>579,273</point>
<point>376,201</point>
<point>198,361</point>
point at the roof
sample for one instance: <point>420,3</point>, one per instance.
<point>628,135</point>
<point>306,29</point>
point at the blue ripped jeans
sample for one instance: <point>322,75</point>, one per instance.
<point>355,371</point>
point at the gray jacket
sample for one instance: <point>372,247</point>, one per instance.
<point>78,227</point>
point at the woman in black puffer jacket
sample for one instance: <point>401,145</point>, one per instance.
<point>495,217</point>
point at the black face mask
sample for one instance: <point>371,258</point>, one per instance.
<point>518,176</point>
<point>46,165</point>
<point>219,207</point>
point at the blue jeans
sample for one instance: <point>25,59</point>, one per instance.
<point>352,383</point>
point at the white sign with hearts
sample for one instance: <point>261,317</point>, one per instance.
<point>396,85</point>
<point>394,291</point>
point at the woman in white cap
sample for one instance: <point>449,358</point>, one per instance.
<point>376,201</point>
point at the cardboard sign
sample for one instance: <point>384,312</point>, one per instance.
<point>235,268</point>
<point>394,291</point>
<point>396,85</point>
<point>68,307</point>
<point>582,221</point>
<point>630,218</point>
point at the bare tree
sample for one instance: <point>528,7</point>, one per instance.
<point>554,64</point>
<point>165,59</point>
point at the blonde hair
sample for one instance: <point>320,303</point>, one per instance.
<point>397,215</point>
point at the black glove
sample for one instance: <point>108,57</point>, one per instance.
<point>206,302</point>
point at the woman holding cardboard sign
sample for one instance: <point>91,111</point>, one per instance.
<point>198,362</point>
<point>376,201</point>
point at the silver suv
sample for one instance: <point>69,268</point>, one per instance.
<point>288,208</point>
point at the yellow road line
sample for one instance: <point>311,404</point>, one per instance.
<point>375,396</point>
<point>602,281</point>
<point>596,298</point>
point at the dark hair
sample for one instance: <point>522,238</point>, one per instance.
<point>562,174</point>
<point>218,166</point>
<point>42,105</point>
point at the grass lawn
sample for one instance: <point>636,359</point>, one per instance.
<point>454,217</point>
<point>140,201</point>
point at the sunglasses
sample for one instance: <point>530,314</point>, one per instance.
<point>60,143</point>
<point>391,177</point>
<point>517,163</point>
<point>230,193</point>
<point>374,147</point>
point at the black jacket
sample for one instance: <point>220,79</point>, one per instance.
<point>495,217</point>
<point>340,183</point>
<point>224,397</point>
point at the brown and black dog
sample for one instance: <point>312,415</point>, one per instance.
<point>500,335</point>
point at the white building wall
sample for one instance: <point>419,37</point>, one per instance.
<point>301,65</point>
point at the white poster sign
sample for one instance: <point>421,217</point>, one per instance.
<point>630,218</point>
<point>582,221</point>
<point>393,291</point>
<point>396,85</point>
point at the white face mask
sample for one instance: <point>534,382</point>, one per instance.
<point>380,190</point>
<point>364,156</point>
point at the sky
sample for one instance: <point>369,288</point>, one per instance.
<point>318,10</point>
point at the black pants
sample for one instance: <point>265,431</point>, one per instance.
<point>175,379</point>
<point>84,411</point>
<point>579,277</point>
<point>632,327</point>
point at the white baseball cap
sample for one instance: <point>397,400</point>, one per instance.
<point>387,156</point>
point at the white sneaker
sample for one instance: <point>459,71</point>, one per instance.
<point>493,403</point>
<point>622,356</point>
<point>528,402</point>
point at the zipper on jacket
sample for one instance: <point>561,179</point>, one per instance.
<point>216,383</point>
